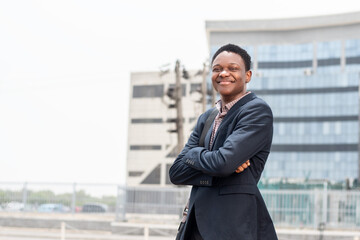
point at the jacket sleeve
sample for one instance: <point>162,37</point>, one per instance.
<point>181,173</point>
<point>253,131</point>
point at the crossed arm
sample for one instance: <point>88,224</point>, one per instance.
<point>182,174</point>
<point>197,165</point>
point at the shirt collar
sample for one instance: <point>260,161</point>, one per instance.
<point>227,106</point>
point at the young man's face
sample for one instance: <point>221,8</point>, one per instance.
<point>229,76</point>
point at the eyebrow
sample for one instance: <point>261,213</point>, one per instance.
<point>229,64</point>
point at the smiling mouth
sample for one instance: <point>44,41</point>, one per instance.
<point>224,82</point>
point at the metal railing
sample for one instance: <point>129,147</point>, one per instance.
<point>314,209</point>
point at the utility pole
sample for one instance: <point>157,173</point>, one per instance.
<point>213,96</point>
<point>204,88</point>
<point>213,92</point>
<point>179,111</point>
<point>358,180</point>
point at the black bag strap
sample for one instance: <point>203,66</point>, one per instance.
<point>207,126</point>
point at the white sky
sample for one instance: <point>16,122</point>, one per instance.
<point>65,70</point>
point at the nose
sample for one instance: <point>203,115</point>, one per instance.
<point>223,73</point>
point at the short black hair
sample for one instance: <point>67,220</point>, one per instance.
<point>235,49</point>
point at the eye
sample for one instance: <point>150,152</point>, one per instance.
<point>216,69</point>
<point>233,69</point>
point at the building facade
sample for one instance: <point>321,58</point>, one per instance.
<point>308,71</point>
<point>152,136</point>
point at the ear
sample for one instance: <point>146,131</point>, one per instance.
<point>248,76</point>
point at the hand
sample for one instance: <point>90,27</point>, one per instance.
<point>243,166</point>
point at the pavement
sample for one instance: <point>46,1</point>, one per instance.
<point>86,227</point>
<point>10,233</point>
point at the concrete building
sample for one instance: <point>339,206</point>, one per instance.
<point>152,117</point>
<point>307,69</point>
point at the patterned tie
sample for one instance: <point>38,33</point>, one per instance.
<point>218,119</point>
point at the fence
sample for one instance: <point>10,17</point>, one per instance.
<point>332,209</point>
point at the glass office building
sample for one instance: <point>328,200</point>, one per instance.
<point>307,70</point>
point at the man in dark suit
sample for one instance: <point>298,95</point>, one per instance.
<point>225,203</point>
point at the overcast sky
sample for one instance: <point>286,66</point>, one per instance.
<point>65,70</point>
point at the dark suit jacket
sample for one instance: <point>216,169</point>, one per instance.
<point>228,205</point>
